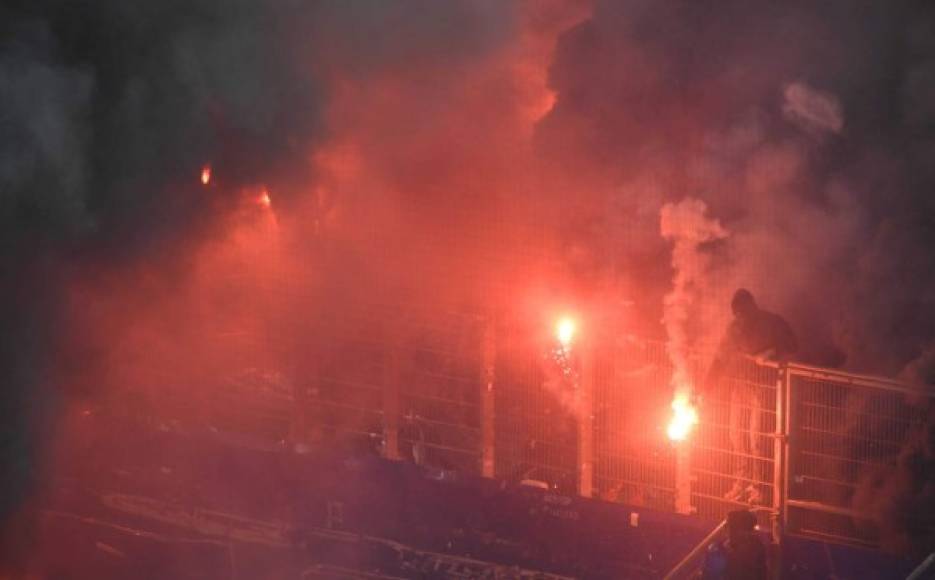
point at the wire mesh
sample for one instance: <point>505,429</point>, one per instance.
<point>845,433</point>
<point>345,403</point>
<point>257,402</point>
<point>733,452</point>
<point>424,377</point>
<point>439,378</point>
<point>634,462</point>
<point>535,426</point>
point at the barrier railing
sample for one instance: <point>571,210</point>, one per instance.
<point>733,456</point>
<point>846,434</point>
<point>536,407</point>
<point>459,392</point>
<point>634,461</point>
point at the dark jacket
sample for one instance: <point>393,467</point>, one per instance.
<point>743,558</point>
<point>746,558</point>
<point>761,333</point>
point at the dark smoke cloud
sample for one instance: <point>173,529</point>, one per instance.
<point>903,499</point>
<point>808,130</point>
<point>804,128</point>
<point>108,111</point>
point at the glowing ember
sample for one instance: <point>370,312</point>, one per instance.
<point>684,418</point>
<point>206,175</point>
<point>565,331</point>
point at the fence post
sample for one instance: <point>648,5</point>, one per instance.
<point>683,475</point>
<point>780,448</point>
<point>683,483</point>
<point>487,382</point>
<point>586,421</point>
<point>777,440</point>
<point>391,399</point>
<point>787,446</point>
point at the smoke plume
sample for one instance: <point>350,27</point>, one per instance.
<point>688,228</point>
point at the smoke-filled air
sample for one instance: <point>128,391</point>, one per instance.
<point>196,192</point>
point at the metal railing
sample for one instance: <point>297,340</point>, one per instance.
<point>459,392</point>
<point>846,434</point>
<point>733,454</point>
<point>694,559</point>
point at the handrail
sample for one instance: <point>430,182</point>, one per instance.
<point>690,561</point>
<point>855,379</point>
<point>923,569</point>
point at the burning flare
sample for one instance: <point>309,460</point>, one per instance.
<point>684,418</point>
<point>206,175</point>
<point>565,331</point>
<point>265,199</point>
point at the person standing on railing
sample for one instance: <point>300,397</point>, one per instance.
<point>761,335</point>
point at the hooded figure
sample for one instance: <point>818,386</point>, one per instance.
<point>761,335</point>
<point>756,332</point>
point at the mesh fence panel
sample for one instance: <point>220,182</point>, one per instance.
<point>439,377</point>
<point>844,431</point>
<point>535,426</point>
<point>733,449</point>
<point>634,462</point>
<point>424,379</point>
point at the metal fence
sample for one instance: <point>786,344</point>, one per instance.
<point>536,406</point>
<point>634,461</point>
<point>846,435</point>
<point>733,455</point>
<point>462,393</point>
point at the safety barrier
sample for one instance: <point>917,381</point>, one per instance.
<point>846,435</point>
<point>733,455</point>
<point>462,393</point>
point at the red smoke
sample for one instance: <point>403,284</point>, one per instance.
<point>425,189</point>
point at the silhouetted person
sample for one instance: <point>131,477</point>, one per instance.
<point>746,556</point>
<point>762,335</point>
<point>742,556</point>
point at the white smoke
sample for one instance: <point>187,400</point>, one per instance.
<point>686,225</point>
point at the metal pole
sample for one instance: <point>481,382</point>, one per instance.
<point>683,485</point>
<point>924,569</point>
<point>586,421</point>
<point>488,380</point>
<point>778,449</point>
<point>787,448</point>
<point>780,466</point>
<point>689,562</point>
<point>683,475</point>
